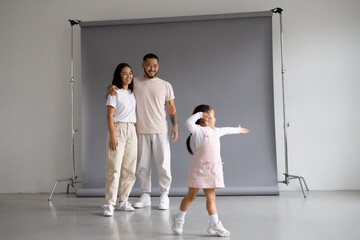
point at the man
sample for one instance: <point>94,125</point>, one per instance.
<point>152,95</point>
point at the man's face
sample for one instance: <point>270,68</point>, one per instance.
<point>151,67</point>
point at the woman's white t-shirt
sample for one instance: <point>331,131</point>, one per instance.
<point>125,106</point>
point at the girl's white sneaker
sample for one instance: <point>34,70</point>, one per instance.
<point>177,224</point>
<point>218,229</point>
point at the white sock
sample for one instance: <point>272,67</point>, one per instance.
<point>181,214</point>
<point>214,218</point>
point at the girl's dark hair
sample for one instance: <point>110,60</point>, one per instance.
<point>117,81</point>
<point>201,108</point>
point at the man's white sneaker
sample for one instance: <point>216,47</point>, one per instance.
<point>177,224</point>
<point>218,229</point>
<point>144,201</point>
<point>124,206</point>
<point>108,210</point>
<point>164,202</point>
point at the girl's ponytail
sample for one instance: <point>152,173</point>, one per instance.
<point>188,145</point>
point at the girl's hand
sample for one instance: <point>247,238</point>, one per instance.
<point>244,130</point>
<point>205,115</point>
<point>113,143</point>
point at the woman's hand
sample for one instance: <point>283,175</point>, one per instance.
<point>244,130</point>
<point>113,143</point>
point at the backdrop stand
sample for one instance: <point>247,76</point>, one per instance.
<point>73,179</point>
<point>288,176</point>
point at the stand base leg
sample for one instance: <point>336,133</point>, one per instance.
<point>301,181</point>
<point>72,181</point>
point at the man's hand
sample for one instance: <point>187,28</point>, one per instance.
<point>172,115</point>
<point>112,90</point>
<point>174,133</point>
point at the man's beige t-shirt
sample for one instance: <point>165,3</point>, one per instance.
<point>151,96</point>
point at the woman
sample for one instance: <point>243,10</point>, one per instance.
<point>121,142</point>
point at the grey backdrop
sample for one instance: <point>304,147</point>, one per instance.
<point>221,60</point>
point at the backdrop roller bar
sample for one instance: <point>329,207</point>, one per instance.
<point>288,177</point>
<point>73,179</point>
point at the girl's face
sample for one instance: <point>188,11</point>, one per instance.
<point>126,76</point>
<point>210,121</point>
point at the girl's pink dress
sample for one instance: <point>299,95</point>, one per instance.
<point>206,170</point>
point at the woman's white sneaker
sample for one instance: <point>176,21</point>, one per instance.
<point>124,206</point>
<point>108,210</point>
<point>218,229</point>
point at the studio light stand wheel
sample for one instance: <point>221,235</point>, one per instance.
<point>73,179</point>
<point>288,177</point>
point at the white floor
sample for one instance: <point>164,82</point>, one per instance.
<point>323,215</point>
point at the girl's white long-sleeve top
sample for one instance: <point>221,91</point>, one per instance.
<point>198,134</point>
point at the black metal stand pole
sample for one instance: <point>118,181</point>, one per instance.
<point>288,177</point>
<point>73,179</point>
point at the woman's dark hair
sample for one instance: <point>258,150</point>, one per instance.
<point>201,108</point>
<point>117,81</point>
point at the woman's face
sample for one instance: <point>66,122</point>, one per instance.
<point>126,76</point>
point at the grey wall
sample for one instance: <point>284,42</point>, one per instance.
<point>226,63</point>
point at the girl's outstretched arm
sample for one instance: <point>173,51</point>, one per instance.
<point>231,130</point>
<point>244,130</point>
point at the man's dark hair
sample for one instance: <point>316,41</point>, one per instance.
<point>150,55</point>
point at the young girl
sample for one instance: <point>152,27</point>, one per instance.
<point>206,169</point>
<point>121,142</point>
